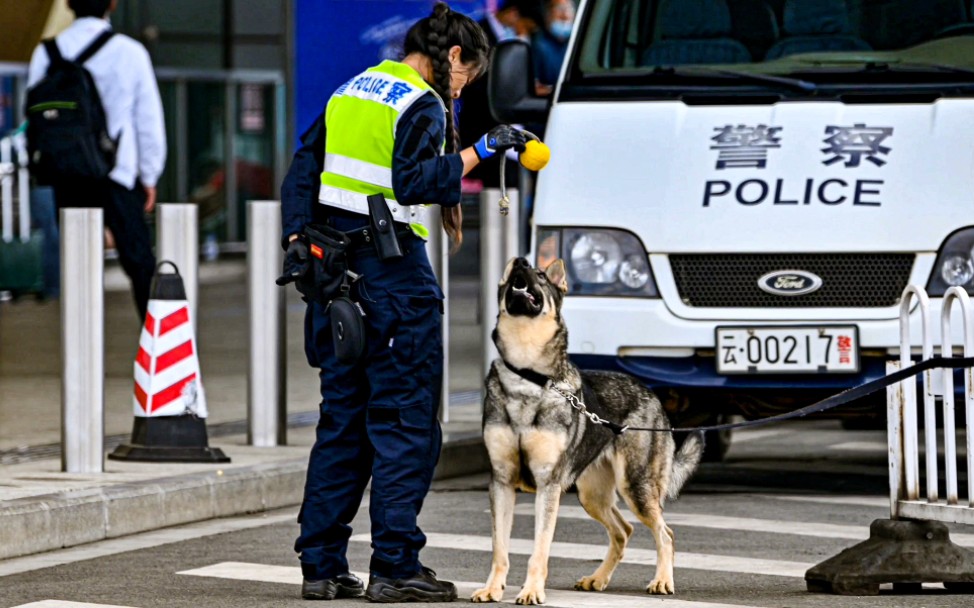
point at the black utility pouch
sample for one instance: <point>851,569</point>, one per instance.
<point>347,329</point>
<point>328,248</point>
<point>383,229</point>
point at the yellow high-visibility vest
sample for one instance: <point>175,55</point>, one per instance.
<point>360,122</point>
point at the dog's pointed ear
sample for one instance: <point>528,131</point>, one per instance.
<point>557,275</point>
<point>507,270</point>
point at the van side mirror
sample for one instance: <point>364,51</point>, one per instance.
<point>510,85</point>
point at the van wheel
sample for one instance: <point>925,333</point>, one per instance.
<point>717,442</point>
<point>864,423</point>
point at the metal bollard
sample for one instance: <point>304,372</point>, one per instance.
<point>266,377</point>
<point>178,241</point>
<point>23,187</point>
<point>499,242</point>
<point>82,340</point>
<point>438,250</point>
<point>7,171</point>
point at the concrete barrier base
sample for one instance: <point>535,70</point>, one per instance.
<point>904,553</point>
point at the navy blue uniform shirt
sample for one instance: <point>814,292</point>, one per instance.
<point>420,175</point>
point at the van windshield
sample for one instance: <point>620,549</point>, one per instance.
<point>801,44</point>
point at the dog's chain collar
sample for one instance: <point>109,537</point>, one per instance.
<point>545,383</point>
<point>579,405</point>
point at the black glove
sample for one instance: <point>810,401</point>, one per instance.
<point>296,262</point>
<point>498,139</point>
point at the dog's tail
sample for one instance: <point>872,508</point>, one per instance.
<point>685,463</point>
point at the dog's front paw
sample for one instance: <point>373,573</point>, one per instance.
<point>530,595</point>
<point>659,586</point>
<point>488,594</point>
<point>592,583</point>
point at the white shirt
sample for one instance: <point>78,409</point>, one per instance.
<point>127,85</point>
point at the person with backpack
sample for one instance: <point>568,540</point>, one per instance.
<point>96,131</point>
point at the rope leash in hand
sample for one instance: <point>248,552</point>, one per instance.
<point>505,202</point>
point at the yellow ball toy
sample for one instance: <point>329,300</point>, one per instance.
<point>535,156</point>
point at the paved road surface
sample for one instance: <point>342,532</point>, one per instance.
<point>746,531</point>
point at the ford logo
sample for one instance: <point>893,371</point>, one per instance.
<point>789,282</point>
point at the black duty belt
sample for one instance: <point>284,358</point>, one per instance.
<point>363,237</point>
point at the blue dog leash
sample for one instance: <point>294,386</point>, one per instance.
<point>846,396</point>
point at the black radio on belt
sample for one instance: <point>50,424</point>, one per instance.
<point>383,229</point>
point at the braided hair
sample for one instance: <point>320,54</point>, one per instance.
<point>433,37</point>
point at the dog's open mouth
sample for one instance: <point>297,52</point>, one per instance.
<point>520,288</point>
<point>521,299</point>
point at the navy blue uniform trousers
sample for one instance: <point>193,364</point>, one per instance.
<point>378,417</point>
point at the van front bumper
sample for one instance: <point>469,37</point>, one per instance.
<point>644,338</point>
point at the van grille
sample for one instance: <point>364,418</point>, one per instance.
<point>850,280</point>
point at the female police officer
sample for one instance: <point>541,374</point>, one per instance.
<point>390,130</point>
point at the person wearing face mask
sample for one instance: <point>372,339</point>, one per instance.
<point>550,43</point>
<point>512,19</point>
<point>388,131</point>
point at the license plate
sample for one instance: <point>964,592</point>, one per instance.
<point>787,350</point>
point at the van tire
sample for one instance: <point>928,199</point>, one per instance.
<point>864,423</point>
<point>717,442</point>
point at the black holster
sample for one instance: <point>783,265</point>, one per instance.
<point>383,228</point>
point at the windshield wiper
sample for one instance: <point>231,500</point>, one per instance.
<point>803,86</point>
<point>925,66</point>
<point>890,65</point>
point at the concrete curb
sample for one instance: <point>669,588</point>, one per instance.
<point>74,518</point>
<point>58,520</point>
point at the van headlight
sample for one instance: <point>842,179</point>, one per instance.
<point>955,264</point>
<point>600,261</point>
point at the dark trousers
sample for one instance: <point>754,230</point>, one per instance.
<point>378,419</point>
<point>44,214</point>
<point>124,217</point>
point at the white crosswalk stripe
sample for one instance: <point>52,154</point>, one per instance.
<point>852,501</point>
<point>684,559</point>
<point>745,524</point>
<point>64,604</point>
<point>756,434</point>
<point>242,571</point>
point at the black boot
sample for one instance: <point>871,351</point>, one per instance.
<point>343,585</point>
<point>420,587</point>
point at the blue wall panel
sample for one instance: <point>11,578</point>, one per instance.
<point>336,39</point>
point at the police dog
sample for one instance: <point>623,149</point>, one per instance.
<point>538,442</point>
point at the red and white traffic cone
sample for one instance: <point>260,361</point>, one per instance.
<point>169,402</point>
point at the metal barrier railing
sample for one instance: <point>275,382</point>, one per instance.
<point>14,172</point>
<point>906,501</point>
<point>913,546</point>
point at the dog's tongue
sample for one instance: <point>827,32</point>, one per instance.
<point>524,292</point>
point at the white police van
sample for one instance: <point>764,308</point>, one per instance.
<point>741,189</point>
